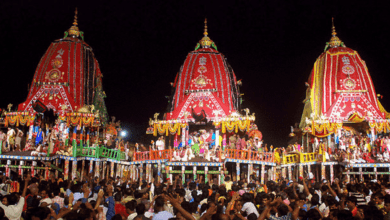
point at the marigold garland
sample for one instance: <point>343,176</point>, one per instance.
<point>24,120</point>
<point>167,129</point>
<point>235,125</point>
<point>380,127</point>
<point>88,121</point>
<point>80,120</point>
<point>19,118</point>
<point>325,129</point>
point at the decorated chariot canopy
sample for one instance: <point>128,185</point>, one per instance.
<point>68,79</point>
<point>339,90</point>
<point>205,90</point>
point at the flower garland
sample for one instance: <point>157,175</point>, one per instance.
<point>73,121</point>
<point>167,129</point>
<point>24,120</point>
<point>324,129</point>
<point>87,121</point>
<point>78,119</point>
<point>173,129</point>
<point>380,127</point>
<point>12,119</point>
<point>19,118</point>
<point>235,125</point>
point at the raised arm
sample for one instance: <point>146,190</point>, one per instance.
<point>99,199</point>
<point>28,178</point>
<point>231,203</point>
<point>295,213</point>
<point>338,186</point>
<point>211,211</point>
<point>265,214</point>
<point>305,189</point>
<point>342,202</point>
<point>331,190</point>
<point>175,203</point>
<point>294,190</point>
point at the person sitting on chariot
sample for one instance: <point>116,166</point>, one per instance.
<point>61,149</point>
<point>207,154</point>
<point>183,154</point>
<point>189,153</point>
<point>344,156</point>
<point>212,154</point>
<point>186,154</point>
<point>65,150</point>
<point>359,156</point>
<point>379,157</point>
<point>386,156</point>
<point>41,151</point>
<point>55,147</point>
<point>367,158</point>
<point>217,153</point>
<point>355,156</point>
<point>176,155</point>
<point>29,146</point>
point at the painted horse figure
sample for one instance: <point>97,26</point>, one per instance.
<point>199,117</point>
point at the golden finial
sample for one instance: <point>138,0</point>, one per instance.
<point>75,17</point>
<point>333,28</point>
<point>74,30</point>
<point>206,42</point>
<point>334,40</point>
<point>205,27</point>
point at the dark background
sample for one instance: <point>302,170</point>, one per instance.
<point>141,45</point>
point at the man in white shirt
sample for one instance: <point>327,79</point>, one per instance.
<point>13,211</point>
<point>160,143</point>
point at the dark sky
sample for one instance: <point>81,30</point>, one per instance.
<point>141,45</point>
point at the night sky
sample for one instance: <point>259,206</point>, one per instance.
<point>141,45</point>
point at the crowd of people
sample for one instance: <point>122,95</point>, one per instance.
<point>88,197</point>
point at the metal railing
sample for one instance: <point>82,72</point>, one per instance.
<point>227,154</point>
